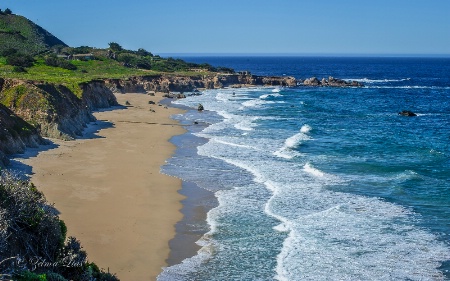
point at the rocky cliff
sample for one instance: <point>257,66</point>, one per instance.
<point>54,110</point>
<point>15,135</point>
<point>174,83</point>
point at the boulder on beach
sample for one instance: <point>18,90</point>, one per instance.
<point>200,107</point>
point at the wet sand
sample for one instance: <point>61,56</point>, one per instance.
<point>109,190</point>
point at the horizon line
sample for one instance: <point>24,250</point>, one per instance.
<point>374,55</point>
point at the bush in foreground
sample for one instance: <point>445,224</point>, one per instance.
<point>33,243</point>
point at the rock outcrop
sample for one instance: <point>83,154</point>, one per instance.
<point>96,94</point>
<point>331,82</point>
<point>173,83</point>
<point>407,113</point>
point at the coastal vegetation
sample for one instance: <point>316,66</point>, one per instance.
<point>33,242</point>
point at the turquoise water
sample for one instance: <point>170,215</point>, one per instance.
<point>322,183</point>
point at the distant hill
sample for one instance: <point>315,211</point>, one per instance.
<point>17,32</point>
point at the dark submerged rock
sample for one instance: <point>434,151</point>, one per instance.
<point>407,113</point>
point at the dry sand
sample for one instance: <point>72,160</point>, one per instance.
<point>109,189</point>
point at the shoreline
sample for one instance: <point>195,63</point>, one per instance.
<point>196,205</point>
<point>198,200</point>
<point>109,190</point>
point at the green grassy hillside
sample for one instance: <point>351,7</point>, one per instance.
<point>17,32</point>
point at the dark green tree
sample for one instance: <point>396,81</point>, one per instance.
<point>8,11</point>
<point>115,47</point>
<point>82,50</point>
<point>144,53</point>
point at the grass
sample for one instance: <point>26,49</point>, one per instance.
<point>86,71</point>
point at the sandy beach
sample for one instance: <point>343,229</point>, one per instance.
<point>109,190</point>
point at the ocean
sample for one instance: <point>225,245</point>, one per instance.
<point>320,183</point>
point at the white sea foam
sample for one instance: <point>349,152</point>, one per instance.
<point>372,81</point>
<point>216,140</point>
<point>305,129</point>
<point>406,176</point>
<point>247,124</point>
<point>265,96</point>
<point>313,171</point>
<point>359,239</point>
<point>223,97</point>
<point>410,87</point>
<point>287,150</point>
<point>244,126</point>
<point>329,235</point>
<point>276,90</point>
<point>257,103</point>
<point>296,140</point>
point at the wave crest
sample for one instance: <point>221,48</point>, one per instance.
<point>372,81</point>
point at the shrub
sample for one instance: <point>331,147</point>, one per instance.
<point>81,50</point>
<point>29,276</point>
<point>59,62</point>
<point>143,63</point>
<point>143,53</point>
<point>30,230</point>
<point>51,61</point>
<point>51,276</point>
<point>66,64</point>
<point>126,58</point>
<point>8,52</point>
<point>19,69</point>
<point>18,59</point>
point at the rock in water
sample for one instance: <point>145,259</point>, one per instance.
<point>407,113</point>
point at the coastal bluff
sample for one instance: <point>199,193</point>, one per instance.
<point>53,109</point>
<point>176,83</point>
<point>31,110</point>
<point>15,135</point>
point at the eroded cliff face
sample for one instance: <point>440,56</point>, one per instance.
<point>54,110</point>
<point>97,95</point>
<point>15,135</point>
<point>173,83</point>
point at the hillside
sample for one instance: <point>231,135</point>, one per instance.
<point>17,32</point>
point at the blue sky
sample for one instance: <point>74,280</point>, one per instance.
<point>248,26</point>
